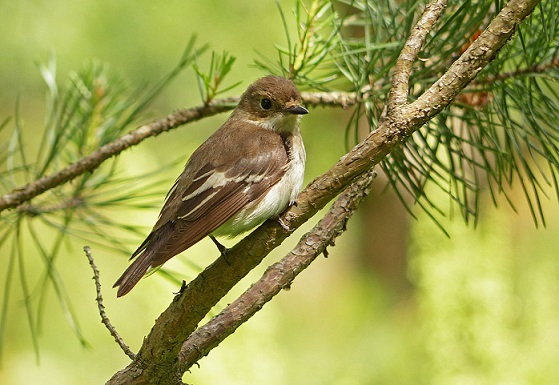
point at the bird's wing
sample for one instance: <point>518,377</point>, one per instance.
<point>214,194</point>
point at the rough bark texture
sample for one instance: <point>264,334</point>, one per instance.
<point>278,276</point>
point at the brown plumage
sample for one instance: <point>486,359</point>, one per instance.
<point>250,169</point>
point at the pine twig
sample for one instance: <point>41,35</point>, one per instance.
<point>482,51</point>
<point>96,158</point>
<point>181,117</point>
<point>398,95</point>
<point>104,319</point>
<point>330,99</point>
<point>535,69</point>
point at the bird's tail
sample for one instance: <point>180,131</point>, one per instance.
<point>132,274</point>
<point>136,270</point>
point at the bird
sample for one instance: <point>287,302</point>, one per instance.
<point>249,170</point>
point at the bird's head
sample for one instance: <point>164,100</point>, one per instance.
<point>272,102</point>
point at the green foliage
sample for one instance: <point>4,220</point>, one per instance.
<point>91,110</point>
<point>501,131</point>
<point>488,305</point>
<point>210,84</point>
<point>307,59</point>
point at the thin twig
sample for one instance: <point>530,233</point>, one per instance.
<point>188,115</point>
<point>96,158</point>
<point>278,276</point>
<point>535,69</point>
<point>330,99</point>
<point>104,319</point>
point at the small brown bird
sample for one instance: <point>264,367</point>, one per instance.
<point>249,170</point>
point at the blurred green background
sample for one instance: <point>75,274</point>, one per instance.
<point>397,302</point>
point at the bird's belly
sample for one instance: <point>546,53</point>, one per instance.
<point>271,205</point>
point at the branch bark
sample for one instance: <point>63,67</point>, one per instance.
<point>181,117</point>
<point>99,299</point>
<point>159,359</point>
<point>398,95</point>
<point>277,277</point>
<point>95,159</point>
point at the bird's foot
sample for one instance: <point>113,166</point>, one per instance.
<point>284,225</point>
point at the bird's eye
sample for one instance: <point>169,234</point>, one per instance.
<point>266,103</point>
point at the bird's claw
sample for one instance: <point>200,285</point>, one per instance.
<point>284,225</point>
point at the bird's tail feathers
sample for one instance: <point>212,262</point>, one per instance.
<point>133,274</point>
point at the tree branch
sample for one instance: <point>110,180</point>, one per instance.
<point>398,95</point>
<point>277,276</point>
<point>104,319</point>
<point>95,159</point>
<point>469,64</point>
<point>181,117</point>
<point>536,69</point>
<point>330,99</point>
<point>158,360</point>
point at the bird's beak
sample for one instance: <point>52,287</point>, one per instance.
<point>297,110</point>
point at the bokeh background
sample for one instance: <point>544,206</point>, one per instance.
<point>396,302</point>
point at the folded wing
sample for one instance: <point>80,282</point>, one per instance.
<point>211,197</point>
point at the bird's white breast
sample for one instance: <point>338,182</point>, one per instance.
<point>276,199</point>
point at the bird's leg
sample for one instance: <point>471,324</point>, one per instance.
<point>282,223</point>
<point>222,249</point>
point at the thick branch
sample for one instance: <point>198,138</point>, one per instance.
<point>470,63</point>
<point>277,276</point>
<point>158,357</point>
